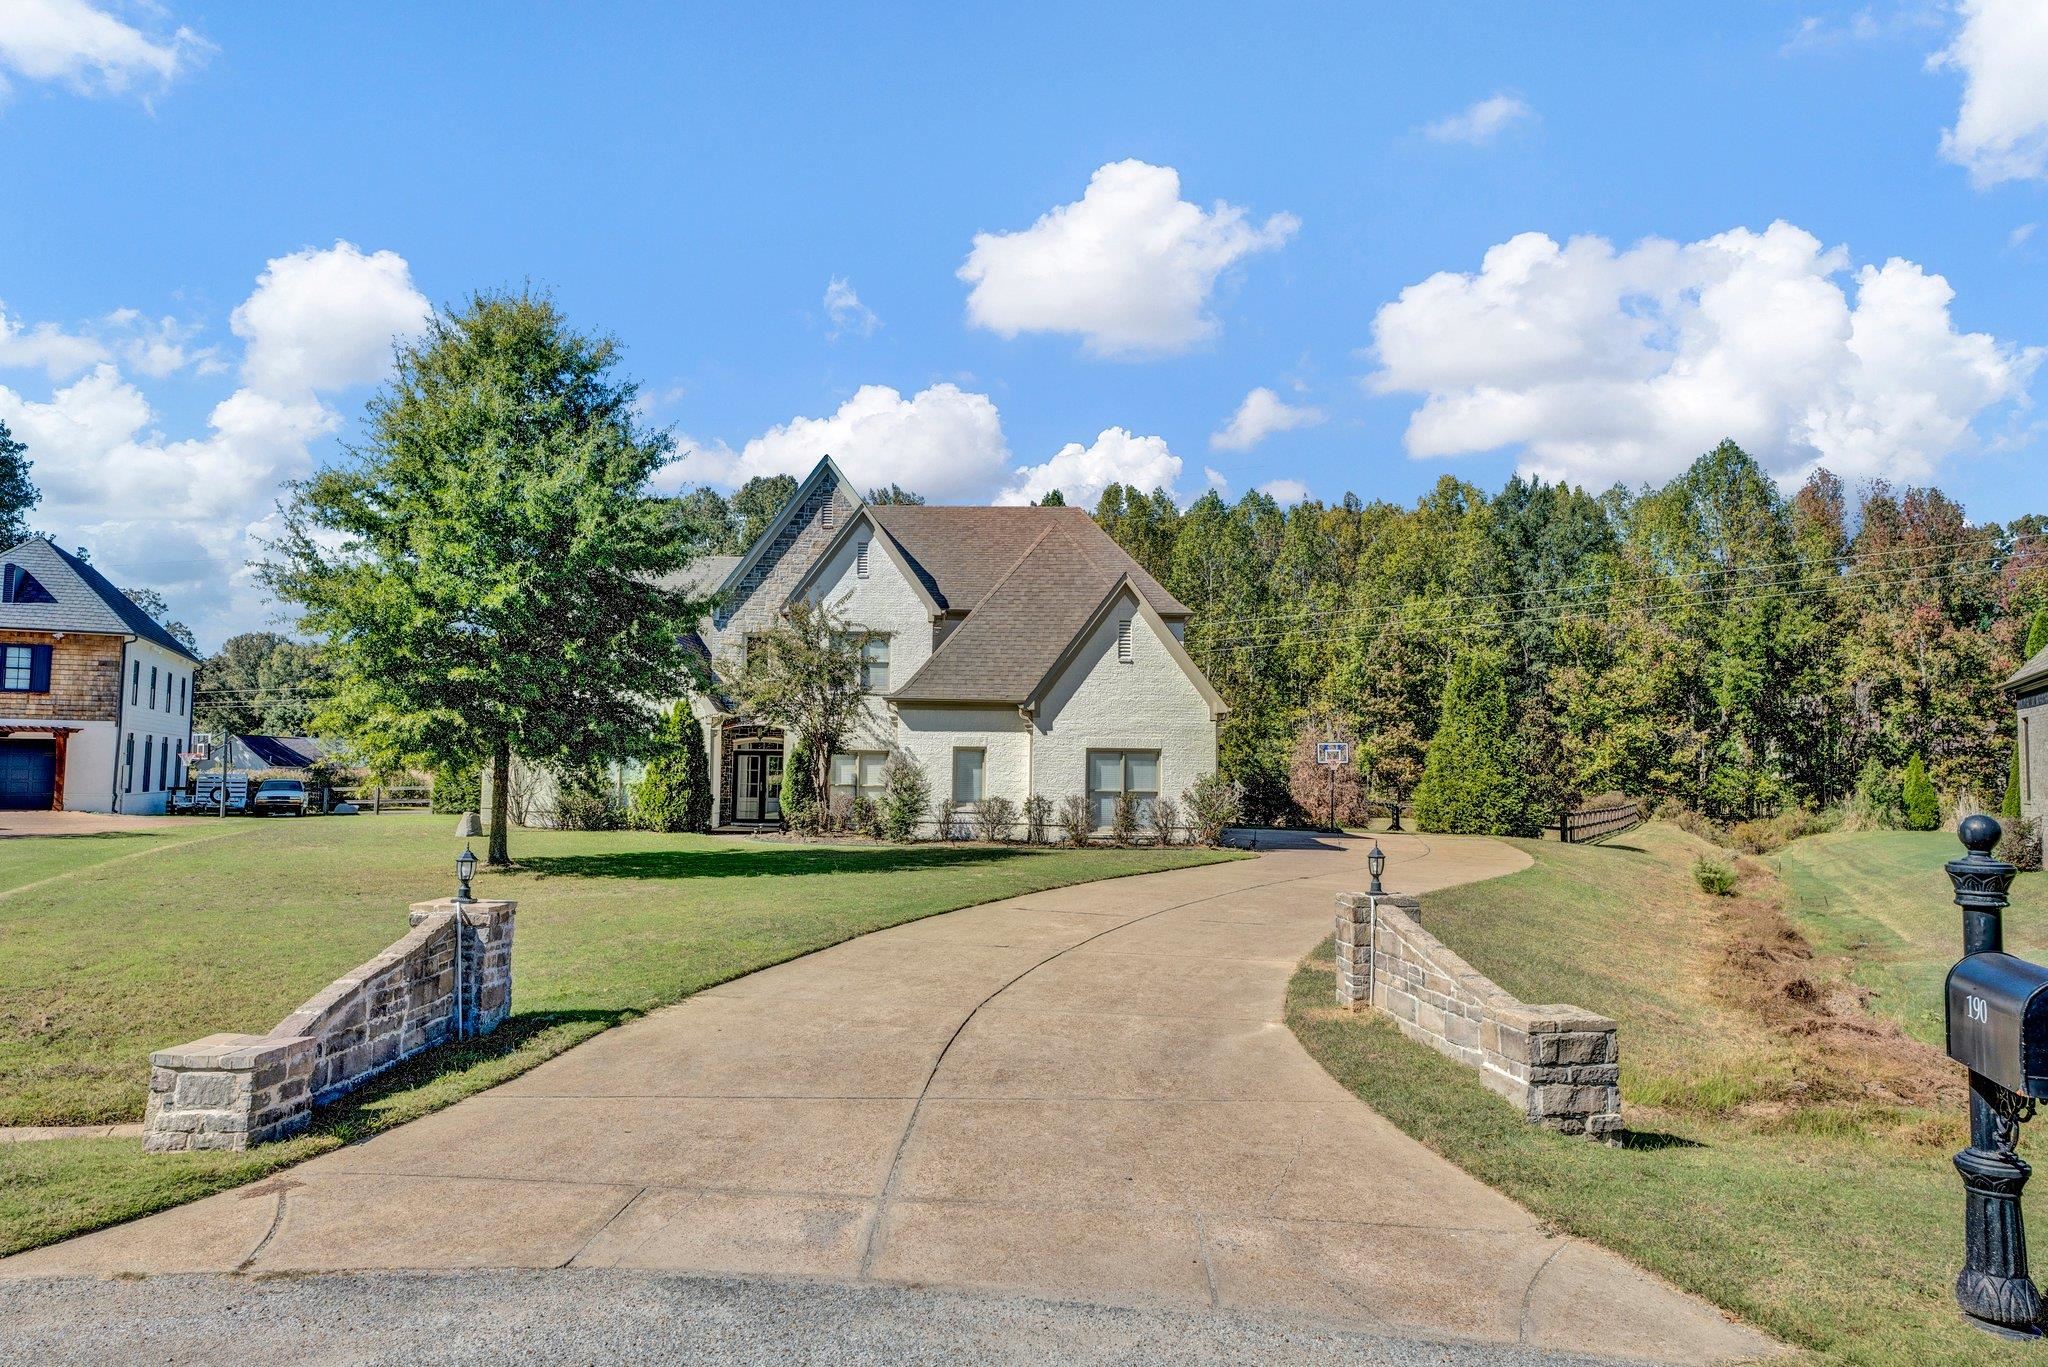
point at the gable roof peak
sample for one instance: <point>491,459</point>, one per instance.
<point>81,599</point>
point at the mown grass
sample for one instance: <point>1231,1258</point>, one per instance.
<point>1881,900</point>
<point>103,959</point>
<point>1835,1225</point>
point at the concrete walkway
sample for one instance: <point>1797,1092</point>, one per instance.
<point>1086,1094</point>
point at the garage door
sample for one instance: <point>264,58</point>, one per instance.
<point>28,775</point>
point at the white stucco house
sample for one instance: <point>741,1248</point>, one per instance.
<point>95,695</point>
<point>1015,651</point>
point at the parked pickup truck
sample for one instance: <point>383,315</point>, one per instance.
<point>278,796</point>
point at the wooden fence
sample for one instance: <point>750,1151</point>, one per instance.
<point>1598,819</point>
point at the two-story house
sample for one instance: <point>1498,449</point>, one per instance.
<point>95,696</point>
<point>1015,651</point>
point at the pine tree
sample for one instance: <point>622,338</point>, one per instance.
<point>2010,808</point>
<point>1923,805</point>
<point>1475,781</point>
<point>675,794</point>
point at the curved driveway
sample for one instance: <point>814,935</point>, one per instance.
<point>1086,1093</point>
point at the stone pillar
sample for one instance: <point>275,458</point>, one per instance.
<point>1357,914</point>
<point>228,1092</point>
<point>485,934</point>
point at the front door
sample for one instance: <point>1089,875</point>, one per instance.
<point>759,786</point>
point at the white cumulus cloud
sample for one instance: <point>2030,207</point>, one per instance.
<point>1284,491</point>
<point>847,312</point>
<point>1081,473</point>
<point>1481,121</point>
<point>46,347</point>
<point>1129,268</point>
<point>179,513</point>
<point>942,442</point>
<point>1607,365</point>
<point>2001,130</point>
<point>88,49</point>
<point>1262,413</point>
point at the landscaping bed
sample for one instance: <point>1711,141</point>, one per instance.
<point>1789,1150</point>
<point>104,958</point>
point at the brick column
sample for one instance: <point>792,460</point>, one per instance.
<point>228,1092</point>
<point>485,929</point>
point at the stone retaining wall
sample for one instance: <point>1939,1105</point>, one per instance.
<point>1559,1065</point>
<point>231,1091</point>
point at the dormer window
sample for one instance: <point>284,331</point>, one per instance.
<point>17,585</point>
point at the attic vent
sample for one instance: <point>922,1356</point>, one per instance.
<point>825,517</point>
<point>860,561</point>
<point>19,586</point>
<point>1123,641</point>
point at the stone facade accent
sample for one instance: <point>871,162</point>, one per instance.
<point>1559,1065</point>
<point>85,677</point>
<point>449,978</point>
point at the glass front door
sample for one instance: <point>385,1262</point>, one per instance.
<point>757,792</point>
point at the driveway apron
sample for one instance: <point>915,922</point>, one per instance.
<point>1087,1094</point>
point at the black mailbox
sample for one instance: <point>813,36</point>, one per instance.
<point>1998,1021</point>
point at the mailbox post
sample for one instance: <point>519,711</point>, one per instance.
<point>1988,1033</point>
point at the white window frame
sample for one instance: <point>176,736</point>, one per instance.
<point>954,800</point>
<point>866,772</point>
<point>869,663</point>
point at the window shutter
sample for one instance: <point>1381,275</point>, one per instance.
<point>860,561</point>
<point>39,669</point>
<point>1123,641</point>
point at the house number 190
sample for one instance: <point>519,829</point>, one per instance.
<point>1976,1009</point>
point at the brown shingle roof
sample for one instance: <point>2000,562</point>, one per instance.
<point>1026,620</point>
<point>963,553</point>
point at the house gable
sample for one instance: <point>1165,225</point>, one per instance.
<point>758,586</point>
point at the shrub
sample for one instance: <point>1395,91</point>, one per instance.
<point>1875,805</point>
<point>1327,793</point>
<point>457,790</point>
<point>995,818</point>
<point>948,821</point>
<point>1715,876</point>
<point>799,797</point>
<point>1475,780</point>
<point>1917,796</point>
<point>1774,833</point>
<point>1037,817</point>
<point>1213,802</point>
<point>863,817</point>
<point>2010,808</point>
<point>675,792</point>
<point>2020,846</point>
<point>1124,819</point>
<point>1691,820</point>
<point>1075,823</point>
<point>906,792</point>
<point>583,802</point>
<point>1165,819</point>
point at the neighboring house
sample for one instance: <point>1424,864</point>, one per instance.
<point>2029,688</point>
<point>1015,651</point>
<point>95,696</point>
<point>280,752</point>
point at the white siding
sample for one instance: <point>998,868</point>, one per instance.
<point>150,725</point>
<point>887,602</point>
<point>931,734</point>
<point>1099,704</point>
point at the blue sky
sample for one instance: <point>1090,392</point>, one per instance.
<point>182,330</point>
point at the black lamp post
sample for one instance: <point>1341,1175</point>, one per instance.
<point>465,863</point>
<point>1993,1288</point>
<point>1376,864</point>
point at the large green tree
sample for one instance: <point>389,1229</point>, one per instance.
<point>18,493</point>
<point>1476,780</point>
<point>260,683</point>
<point>486,568</point>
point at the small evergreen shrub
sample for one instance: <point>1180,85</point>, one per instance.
<point>1037,818</point>
<point>584,802</point>
<point>457,790</point>
<point>1917,796</point>
<point>675,793</point>
<point>1166,819</point>
<point>1876,805</point>
<point>2020,846</point>
<point>863,817</point>
<point>1716,877</point>
<point>799,798</point>
<point>995,818</point>
<point>2010,808</point>
<point>1075,823</point>
<point>906,793</point>
<point>1213,803</point>
<point>1124,820</point>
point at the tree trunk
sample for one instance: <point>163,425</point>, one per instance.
<point>501,801</point>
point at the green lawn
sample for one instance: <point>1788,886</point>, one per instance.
<point>1830,1219</point>
<point>1881,900</point>
<point>113,946</point>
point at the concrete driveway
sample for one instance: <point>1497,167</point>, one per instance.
<point>1084,1094</point>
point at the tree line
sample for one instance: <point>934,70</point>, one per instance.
<point>1713,640</point>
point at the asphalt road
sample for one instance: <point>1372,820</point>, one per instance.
<point>593,1316</point>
